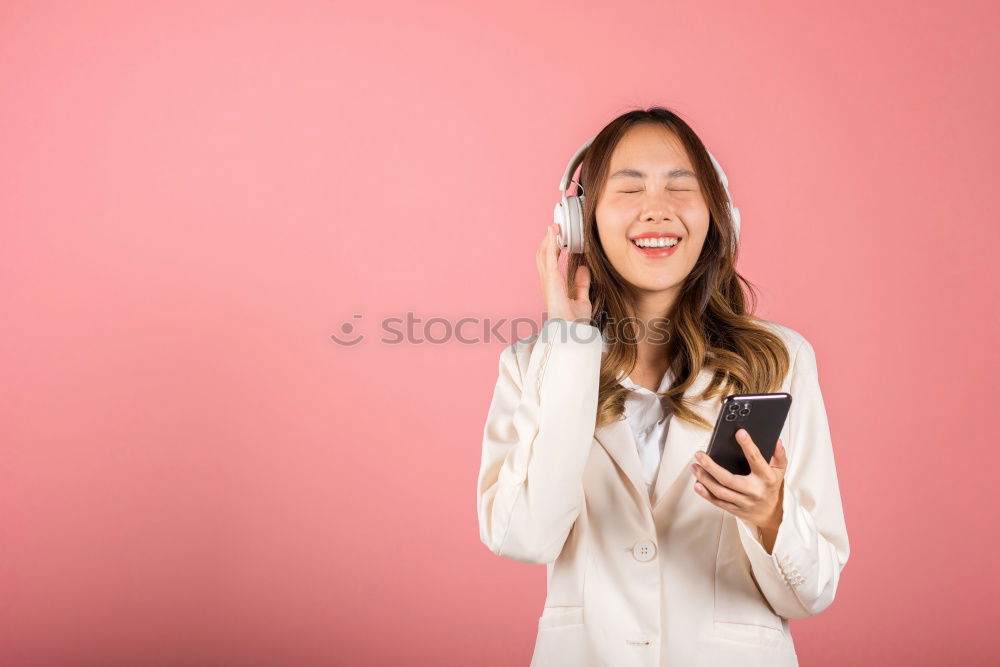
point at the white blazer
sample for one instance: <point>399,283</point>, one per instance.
<point>672,580</point>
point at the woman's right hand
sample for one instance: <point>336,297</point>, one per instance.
<point>558,303</point>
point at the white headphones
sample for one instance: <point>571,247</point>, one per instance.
<point>569,210</point>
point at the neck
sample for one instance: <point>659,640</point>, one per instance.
<point>655,344</point>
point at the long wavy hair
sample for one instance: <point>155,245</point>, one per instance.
<point>709,325</point>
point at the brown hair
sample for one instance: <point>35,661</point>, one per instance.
<point>709,325</point>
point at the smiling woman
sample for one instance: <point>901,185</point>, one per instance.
<point>666,248</point>
<point>592,450</point>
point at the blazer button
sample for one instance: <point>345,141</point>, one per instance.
<point>644,551</point>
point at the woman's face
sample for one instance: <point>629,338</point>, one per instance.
<point>652,193</point>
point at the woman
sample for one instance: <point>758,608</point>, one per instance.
<point>650,561</point>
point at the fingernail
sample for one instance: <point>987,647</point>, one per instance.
<point>741,434</point>
<point>698,456</point>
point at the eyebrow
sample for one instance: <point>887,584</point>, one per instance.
<point>635,173</point>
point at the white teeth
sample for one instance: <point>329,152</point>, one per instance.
<point>665,242</point>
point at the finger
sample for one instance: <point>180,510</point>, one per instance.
<point>718,490</point>
<point>707,495</point>
<point>581,283</point>
<point>779,460</point>
<point>544,255</point>
<point>543,248</point>
<point>780,455</point>
<point>751,451</point>
<point>736,482</point>
<point>552,257</point>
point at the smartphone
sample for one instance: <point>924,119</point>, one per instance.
<point>762,415</point>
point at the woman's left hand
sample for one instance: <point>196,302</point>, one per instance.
<point>756,497</point>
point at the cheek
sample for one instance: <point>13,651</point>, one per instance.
<point>698,228</point>
<point>698,236</point>
<point>696,242</point>
<point>611,229</point>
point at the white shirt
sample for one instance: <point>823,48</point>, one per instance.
<point>649,418</point>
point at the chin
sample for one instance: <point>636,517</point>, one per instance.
<point>656,285</point>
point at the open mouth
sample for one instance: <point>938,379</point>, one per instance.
<point>656,247</point>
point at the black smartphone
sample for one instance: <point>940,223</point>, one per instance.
<point>762,415</point>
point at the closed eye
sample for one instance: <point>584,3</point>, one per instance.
<point>629,192</point>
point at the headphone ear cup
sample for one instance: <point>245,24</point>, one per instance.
<point>560,218</point>
<point>735,214</point>
<point>574,224</point>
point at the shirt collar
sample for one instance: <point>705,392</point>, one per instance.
<point>626,381</point>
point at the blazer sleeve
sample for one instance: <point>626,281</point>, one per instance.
<point>537,438</point>
<point>799,577</point>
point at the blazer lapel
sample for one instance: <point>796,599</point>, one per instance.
<point>617,438</point>
<point>682,441</point>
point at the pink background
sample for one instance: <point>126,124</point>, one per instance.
<point>195,196</point>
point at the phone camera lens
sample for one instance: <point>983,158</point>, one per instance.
<point>733,407</point>
<point>730,417</point>
<point>744,413</point>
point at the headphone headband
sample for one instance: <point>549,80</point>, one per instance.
<point>574,162</point>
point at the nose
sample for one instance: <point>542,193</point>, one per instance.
<point>659,206</point>
<point>658,212</point>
